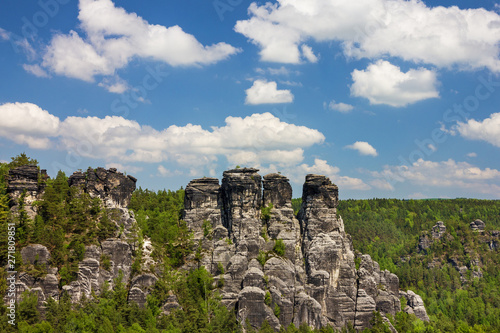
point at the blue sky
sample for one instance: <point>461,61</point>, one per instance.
<point>387,98</point>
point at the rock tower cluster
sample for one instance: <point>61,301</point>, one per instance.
<point>270,264</point>
<point>239,224</point>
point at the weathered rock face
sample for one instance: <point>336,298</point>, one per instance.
<point>415,305</point>
<point>477,225</point>
<point>102,263</point>
<point>425,241</point>
<point>113,187</point>
<point>314,280</point>
<point>26,179</point>
<point>438,230</point>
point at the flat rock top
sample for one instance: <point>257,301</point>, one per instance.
<point>240,170</point>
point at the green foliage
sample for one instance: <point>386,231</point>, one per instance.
<point>267,298</point>
<point>296,204</point>
<point>207,229</point>
<point>279,247</point>
<point>20,160</point>
<point>105,262</point>
<point>277,310</point>
<point>262,258</point>
<point>263,233</point>
<point>159,217</point>
<point>389,230</point>
<point>265,212</point>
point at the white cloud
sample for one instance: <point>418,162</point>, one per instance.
<point>322,167</point>
<point>164,172</point>
<point>410,30</point>
<point>263,92</point>
<point>114,84</point>
<point>471,155</point>
<point>340,107</point>
<point>308,53</point>
<point>291,83</point>
<point>487,130</point>
<point>35,70</point>
<point>364,148</point>
<point>382,184</point>
<point>255,140</point>
<point>124,168</point>
<point>26,123</point>
<point>4,35</point>
<point>384,83</point>
<point>445,174</point>
<point>113,37</point>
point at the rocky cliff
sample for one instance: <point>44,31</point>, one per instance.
<point>103,262</point>
<point>269,264</point>
<point>284,269</point>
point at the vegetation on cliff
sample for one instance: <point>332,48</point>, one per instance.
<point>387,229</point>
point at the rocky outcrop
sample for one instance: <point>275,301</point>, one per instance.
<point>438,231</point>
<point>27,179</point>
<point>113,187</point>
<point>103,263</point>
<point>274,266</point>
<point>477,225</point>
<point>415,305</point>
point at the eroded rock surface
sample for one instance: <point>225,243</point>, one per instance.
<point>312,280</point>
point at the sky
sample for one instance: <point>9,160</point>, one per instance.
<point>388,98</point>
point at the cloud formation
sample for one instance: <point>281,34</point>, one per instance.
<point>26,123</point>
<point>410,30</point>
<point>446,174</point>
<point>487,130</point>
<point>256,139</point>
<point>364,148</point>
<point>385,83</point>
<point>263,92</point>
<point>340,107</point>
<point>113,37</point>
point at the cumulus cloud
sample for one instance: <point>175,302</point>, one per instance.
<point>410,30</point>
<point>487,130</point>
<point>113,37</point>
<point>445,174</point>
<point>322,167</point>
<point>385,83</point>
<point>263,92</point>
<point>340,107</point>
<point>27,123</point>
<point>364,148</point>
<point>254,140</point>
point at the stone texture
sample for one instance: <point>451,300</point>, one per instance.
<point>26,179</point>
<point>415,305</point>
<point>113,187</point>
<point>438,230</point>
<point>35,254</point>
<point>314,282</point>
<point>477,225</point>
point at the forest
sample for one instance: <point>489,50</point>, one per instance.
<point>387,229</point>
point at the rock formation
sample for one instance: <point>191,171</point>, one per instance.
<point>313,279</point>
<point>269,264</point>
<point>29,180</point>
<point>115,190</point>
<point>477,225</point>
<point>438,231</point>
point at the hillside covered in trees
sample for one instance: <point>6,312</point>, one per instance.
<point>457,273</point>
